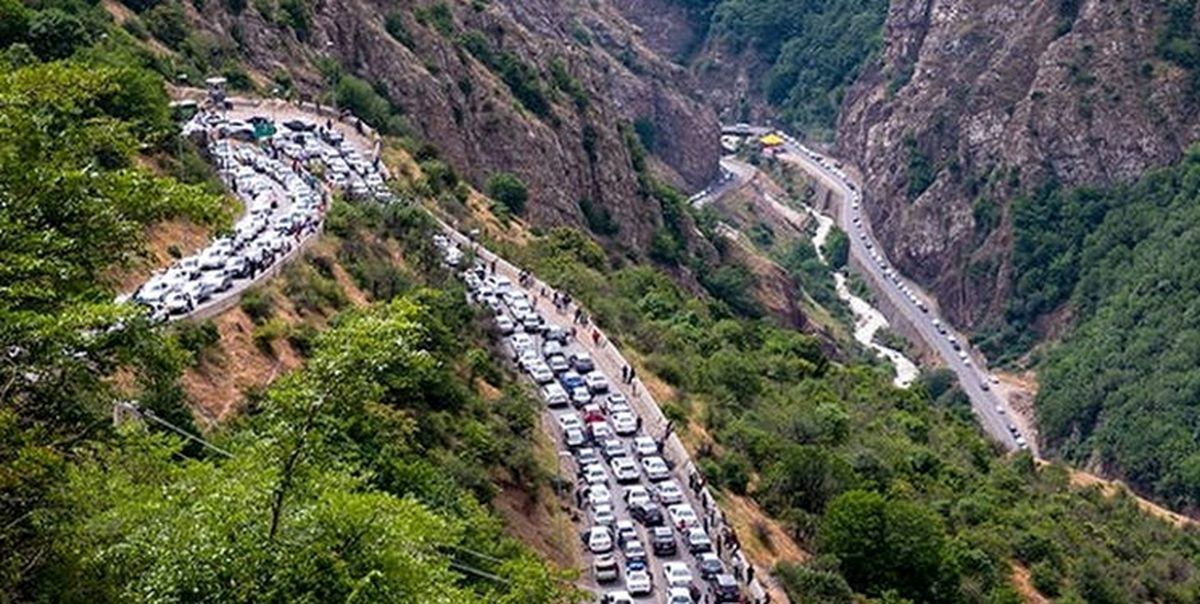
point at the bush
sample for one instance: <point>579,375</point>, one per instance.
<point>168,23</point>
<point>54,34</point>
<point>267,333</point>
<point>196,337</point>
<point>599,219</point>
<point>509,190</point>
<point>394,24</point>
<point>257,304</point>
<point>303,338</point>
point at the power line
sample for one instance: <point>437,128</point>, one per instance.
<point>150,415</point>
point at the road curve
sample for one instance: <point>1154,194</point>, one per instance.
<point>993,412</point>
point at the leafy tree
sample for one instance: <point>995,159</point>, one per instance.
<point>884,545</point>
<point>55,34</point>
<point>509,190</point>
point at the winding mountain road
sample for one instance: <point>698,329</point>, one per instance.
<point>993,412</point>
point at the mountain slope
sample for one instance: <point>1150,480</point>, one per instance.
<point>537,88</point>
<point>974,103</point>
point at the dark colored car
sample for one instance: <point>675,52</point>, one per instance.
<point>662,541</point>
<point>649,514</point>
<point>582,363</point>
<point>724,588</point>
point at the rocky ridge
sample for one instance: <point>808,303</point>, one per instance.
<point>979,101</point>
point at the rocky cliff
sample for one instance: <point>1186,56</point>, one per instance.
<point>453,70</point>
<point>974,102</point>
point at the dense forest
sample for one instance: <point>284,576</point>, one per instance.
<point>362,477</point>
<point>1120,390</point>
<point>814,49</point>
<point>896,492</point>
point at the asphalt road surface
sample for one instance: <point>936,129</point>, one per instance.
<point>569,465</point>
<point>992,411</point>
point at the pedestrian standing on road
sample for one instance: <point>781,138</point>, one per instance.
<point>632,374</point>
<point>750,576</point>
<point>634,387</point>
<point>639,423</point>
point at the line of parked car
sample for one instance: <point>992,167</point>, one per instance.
<point>639,527</point>
<point>985,381</point>
<point>284,201</point>
<point>282,205</point>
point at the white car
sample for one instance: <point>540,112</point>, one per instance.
<point>595,475</point>
<point>616,402</point>
<point>625,470</point>
<point>177,303</point>
<point>636,495</point>
<point>626,532</point>
<point>520,342</point>
<point>624,423</point>
<point>645,446</point>
<point>602,515</point>
<point>596,382</point>
<point>638,582</point>
<point>153,291</point>
<point>551,348</point>
<point>598,494</point>
<point>581,396</point>
<point>668,492</point>
<point>683,516</point>
<point>541,373</point>
<point>527,358</point>
<point>599,539</point>
<point>617,597</point>
<point>554,395</point>
<point>656,468</point>
<point>570,420</point>
<point>677,574</point>
<point>504,324</point>
<point>574,437</point>
<point>679,595</point>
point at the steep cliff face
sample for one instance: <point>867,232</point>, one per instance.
<point>591,67</point>
<point>975,102</point>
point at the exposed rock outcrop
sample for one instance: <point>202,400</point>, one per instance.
<point>572,150</point>
<point>990,99</point>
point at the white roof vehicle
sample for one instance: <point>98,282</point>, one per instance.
<point>644,446</point>
<point>682,516</point>
<point>636,495</point>
<point>624,423</point>
<point>677,574</point>
<point>638,582</point>
<point>555,395</point>
<point>668,492</point>
<point>656,468</point>
<point>599,539</point>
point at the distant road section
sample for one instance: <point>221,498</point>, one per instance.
<point>915,306</point>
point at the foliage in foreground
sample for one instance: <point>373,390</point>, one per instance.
<point>896,491</point>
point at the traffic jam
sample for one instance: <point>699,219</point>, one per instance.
<point>643,536</point>
<point>891,274</point>
<point>272,173</point>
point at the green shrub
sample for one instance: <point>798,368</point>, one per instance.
<point>266,334</point>
<point>196,337</point>
<point>168,23</point>
<point>509,190</point>
<point>303,337</point>
<point>599,219</point>
<point>394,25</point>
<point>256,303</point>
